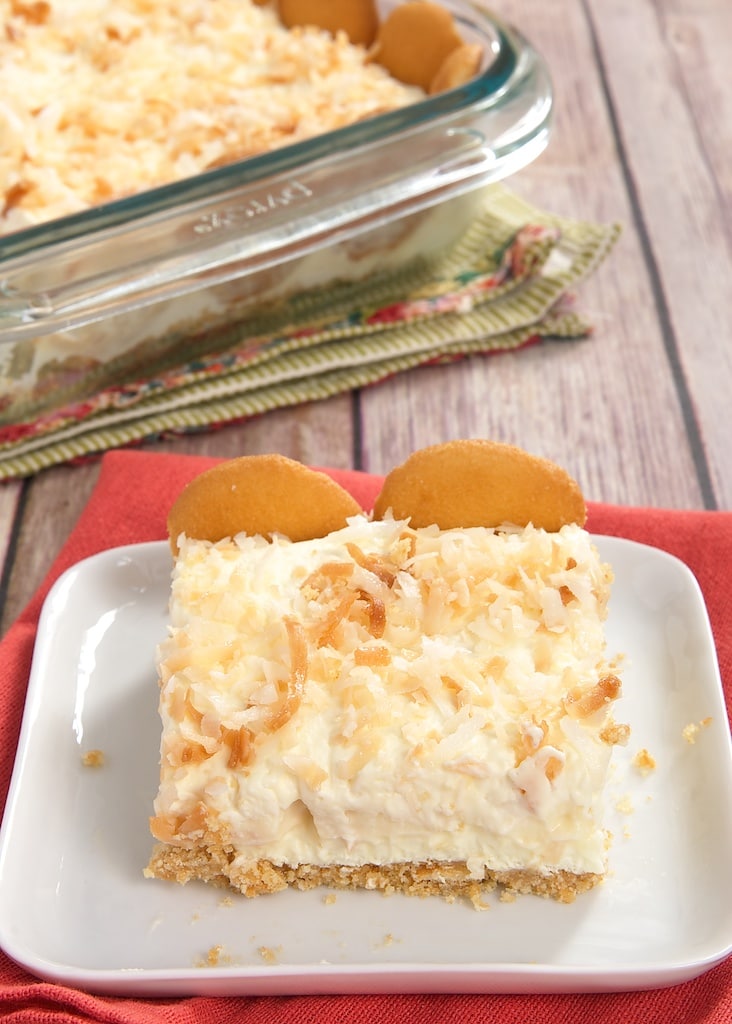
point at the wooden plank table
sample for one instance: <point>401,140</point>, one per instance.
<point>639,413</point>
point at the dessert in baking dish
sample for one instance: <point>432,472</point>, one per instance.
<point>100,101</point>
<point>410,700</point>
<point>103,102</point>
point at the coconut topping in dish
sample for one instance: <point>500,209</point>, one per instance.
<point>100,101</point>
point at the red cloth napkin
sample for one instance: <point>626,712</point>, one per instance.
<point>129,504</point>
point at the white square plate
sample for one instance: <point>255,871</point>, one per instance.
<point>75,907</point>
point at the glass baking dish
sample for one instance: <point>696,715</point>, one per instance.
<point>134,286</point>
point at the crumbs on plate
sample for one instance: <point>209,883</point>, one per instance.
<point>644,762</point>
<point>692,730</point>
<point>215,957</point>
<point>93,759</point>
<point>625,805</point>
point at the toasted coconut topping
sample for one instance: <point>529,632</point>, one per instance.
<point>375,564</point>
<point>372,656</point>
<point>583,703</point>
<point>298,674</point>
<point>99,101</point>
<point>239,742</point>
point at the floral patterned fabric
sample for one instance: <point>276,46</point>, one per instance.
<point>506,284</point>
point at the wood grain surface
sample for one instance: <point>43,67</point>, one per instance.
<point>638,412</point>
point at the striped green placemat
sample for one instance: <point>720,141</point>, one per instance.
<point>503,285</point>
